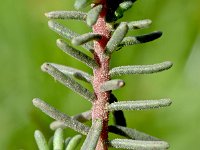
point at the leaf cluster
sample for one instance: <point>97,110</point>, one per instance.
<point>70,77</point>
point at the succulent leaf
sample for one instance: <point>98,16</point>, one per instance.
<point>40,140</point>
<point>138,145</point>
<point>109,36</point>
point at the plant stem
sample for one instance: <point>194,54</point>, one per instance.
<point>101,75</point>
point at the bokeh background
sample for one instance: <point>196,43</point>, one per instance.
<point>26,42</point>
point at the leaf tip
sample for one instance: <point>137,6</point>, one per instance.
<point>59,42</point>
<point>47,14</point>
<point>50,23</point>
<point>35,102</point>
<point>45,67</point>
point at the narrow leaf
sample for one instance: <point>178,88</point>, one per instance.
<point>67,140</point>
<point>138,145</point>
<point>131,133</point>
<point>57,115</point>
<point>140,69</point>
<point>119,118</point>
<point>69,71</point>
<point>133,25</point>
<point>124,6</point>
<point>81,3</point>
<point>40,140</point>
<point>57,124</point>
<point>82,77</point>
<point>132,40</point>
<point>139,104</point>
<point>68,81</point>
<point>116,38</point>
<point>50,143</point>
<point>139,24</point>
<point>73,143</point>
<point>93,15</point>
<point>93,136</point>
<point>83,117</point>
<point>61,30</point>
<point>58,139</point>
<point>84,38</point>
<point>67,33</point>
<point>76,15</point>
<point>76,54</point>
<point>113,5</point>
<point>112,85</point>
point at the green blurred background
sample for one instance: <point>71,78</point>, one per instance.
<point>26,42</point>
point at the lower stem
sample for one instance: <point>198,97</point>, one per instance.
<point>101,75</point>
<point>99,105</point>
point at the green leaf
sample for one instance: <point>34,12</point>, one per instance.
<point>124,6</point>
<point>68,81</point>
<point>81,3</point>
<point>50,143</point>
<point>93,15</point>
<point>84,38</point>
<point>93,135</point>
<point>73,143</point>
<point>112,85</point>
<point>76,15</point>
<point>131,133</point>
<point>140,69</point>
<point>40,140</point>
<point>116,38</point>
<point>76,73</point>
<point>82,117</point>
<point>58,139</point>
<point>57,115</point>
<point>67,140</point>
<point>132,40</point>
<point>139,104</point>
<point>138,145</point>
<point>67,33</point>
<point>76,53</point>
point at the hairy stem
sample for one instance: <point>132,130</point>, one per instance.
<point>101,75</point>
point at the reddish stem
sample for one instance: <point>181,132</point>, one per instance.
<point>101,75</point>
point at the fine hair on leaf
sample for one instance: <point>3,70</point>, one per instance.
<point>81,3</point>
<point>67,33</point>
<point>140,69</point>
<point>82,117</point>
<point>117,37</point>
<point>57,115</point>
<point>131,133</point>
<point>93,136</point>
<point>138,145</point>
<point>76,53</point>
<point>112,85</point>
<point>74,142</point>
<point>93,15</point>
<point>139,104</point>
<point>76,73</point>
<point>124,6</point>
<point>84,38</point>
<point>40,140</point>
<point>76,15</point>
<point>58,139</point>
<point>108,32</point>
<point>67,81</point>
<point>132,40</point>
